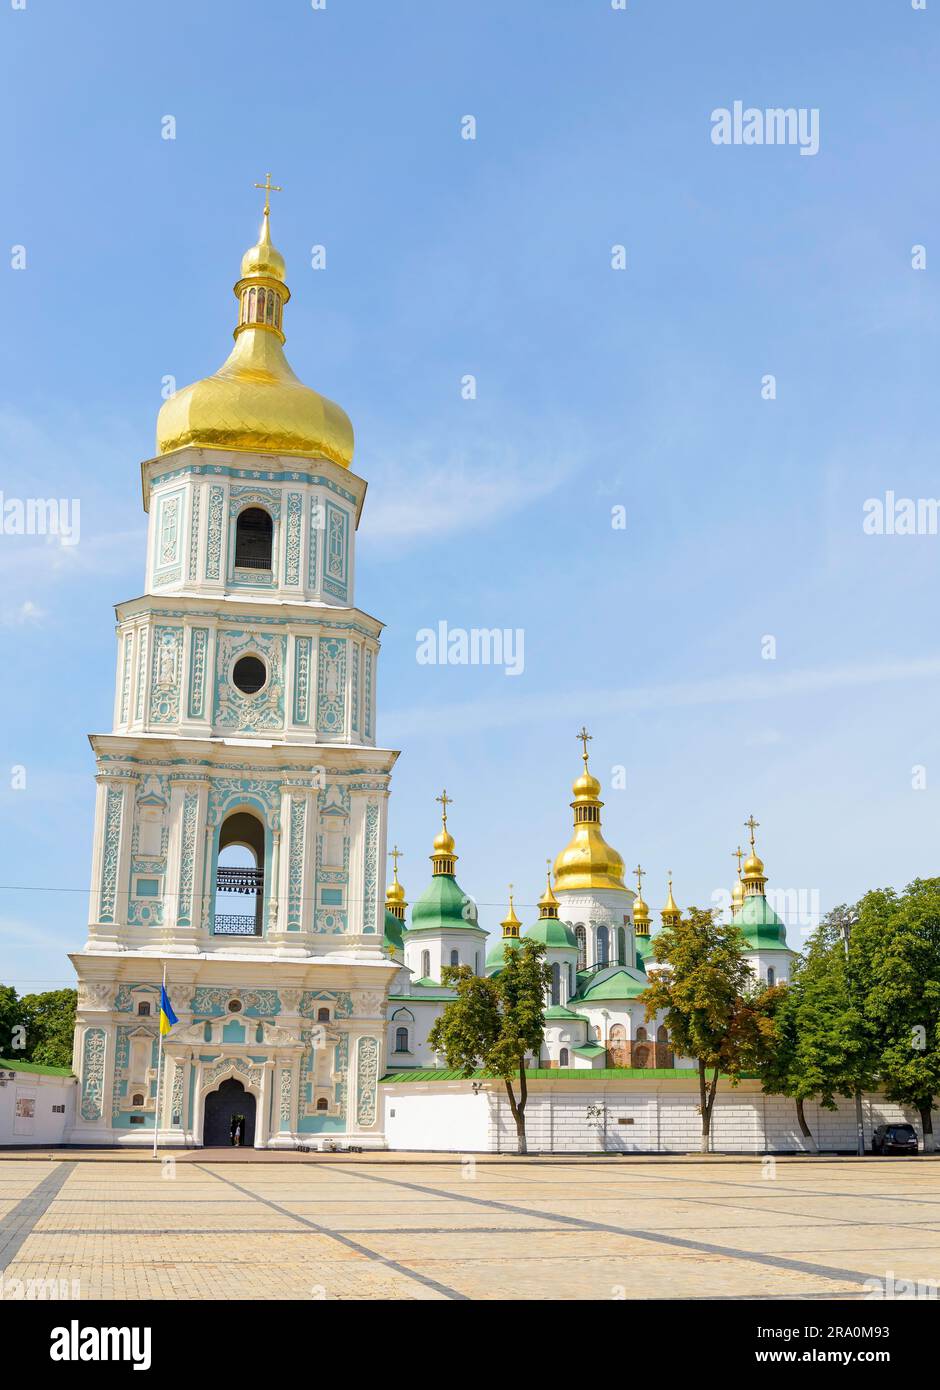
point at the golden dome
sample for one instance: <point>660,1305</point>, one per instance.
<point>510,923</point>
<point>641,912</point>
<point>588,861</point>
<point>443,858</point>
<point>254,402</point>
<point>548,903</point>
<point>671,912</point>
<point>443,842</point>
<point>753,877</point>
<point>737,895</point>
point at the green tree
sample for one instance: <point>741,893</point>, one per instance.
<point>495,1022</point>
<point>11,1015</point>
<point>714,1012</point>
<point>50,1026</point>
<point>897,943</point>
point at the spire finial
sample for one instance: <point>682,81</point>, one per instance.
<point>585,738</point>
<point>751,824</point>
<point>445,801</point>
<point>639,874</point>
<point>395,854</point>
<point>269,188</point>
<point>738,854</point>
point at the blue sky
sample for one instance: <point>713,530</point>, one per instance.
<point>596,388</point>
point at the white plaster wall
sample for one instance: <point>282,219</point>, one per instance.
<point>46,1127</point>
<point>456,1121</point>
<point>665,1119</point>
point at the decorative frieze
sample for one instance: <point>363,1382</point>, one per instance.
<point>367,1077</point>
<point>93,1055</point>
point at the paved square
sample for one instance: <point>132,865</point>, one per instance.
<point>420,1227</point>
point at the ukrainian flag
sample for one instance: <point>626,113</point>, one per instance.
<point>167,1016</point>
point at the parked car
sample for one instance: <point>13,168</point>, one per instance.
<point>894,1139</point>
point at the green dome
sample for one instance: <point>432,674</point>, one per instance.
<point>553,933</point>
<point>496,955</point>
<point>644,951</point>
<point>444,906</point>
<point>761,926</point>
<point>619,982</point>
<point>393,931</point>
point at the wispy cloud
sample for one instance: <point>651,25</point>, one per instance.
<point>516,707</point>
<point>439,492</point>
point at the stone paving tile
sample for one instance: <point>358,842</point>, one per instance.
<point>392,1229</point>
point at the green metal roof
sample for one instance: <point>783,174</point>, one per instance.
<point>552,933</point>
<point>590,1049</point>
<point>393,932</point>
<point>37,1067</point>
<point>761,926</point>
<point>444,906</point>
<point>620,982</point>
<point>420,998</point>
<point>559,1011</point>
<point>496,955</point>
<point>553,1073</point>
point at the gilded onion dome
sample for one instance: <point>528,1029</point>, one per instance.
<point>395,901</point>
<point>509,941</point>
<point>671,912</point>
<point>762,928</point>
<point>444,906</point>
<point>641,912</point>
<point>588,861</point>
<point>254,402</point>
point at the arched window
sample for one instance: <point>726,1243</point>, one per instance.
<point>570,979</point>
<point>425,964</point>
<point>581,938</point>
<point>476,963</point>
<point>603,946</point>
<point>556,983</point>
<point>323,1015</point>
<point>563,1057</point>
<point>323,1103</point>
<point>641,1034</point>
<point>622,947</point>
<point>239,884</point>
<point>454,958</point>
<point>254,532</point>
<point>401,1039</point>
<point>143,1008</point>
<point>770,975</point>
<point>137,1099</point>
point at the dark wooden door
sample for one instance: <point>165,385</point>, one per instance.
<point>222,1106</point>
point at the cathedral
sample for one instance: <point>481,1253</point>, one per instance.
<point>242,806</point>
<point>597,938</point>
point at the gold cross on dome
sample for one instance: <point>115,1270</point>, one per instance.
<point>640,875</point>
<point>738,855</point>
<point>445,801</point>
<point>752,825</point>
<point>585,738</point>
<point>269,188</point>
<point>395,853</point>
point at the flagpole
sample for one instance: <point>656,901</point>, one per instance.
<point>156,1117</point>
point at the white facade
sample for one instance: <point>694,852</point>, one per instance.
<point>244,723</point>
<point>617,1116</point>
<point>35,1107</point>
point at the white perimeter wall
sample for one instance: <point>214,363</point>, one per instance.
<point>45,1126</point>
<point>448,1117</point>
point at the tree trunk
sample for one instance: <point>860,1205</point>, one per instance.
<point>926,1121</point>
<point>703,1104</point>
<point>805,1130</point>
<point>518,1107</point>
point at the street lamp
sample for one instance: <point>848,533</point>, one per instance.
<point>848,921</point>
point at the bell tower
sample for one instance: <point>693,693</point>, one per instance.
<point>241,813</point>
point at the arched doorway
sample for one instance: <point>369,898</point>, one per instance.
<point>222,1106</point>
